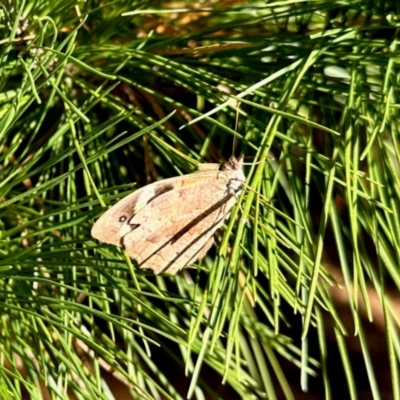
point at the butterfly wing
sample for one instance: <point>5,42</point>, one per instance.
<point>109,228</point>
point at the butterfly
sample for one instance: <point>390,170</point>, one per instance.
<point>170,224</point>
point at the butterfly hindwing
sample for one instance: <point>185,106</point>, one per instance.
<point>177,228</point>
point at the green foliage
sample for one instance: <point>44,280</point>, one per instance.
<point>93,98</point>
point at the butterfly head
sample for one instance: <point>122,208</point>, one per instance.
<point>233,163</point>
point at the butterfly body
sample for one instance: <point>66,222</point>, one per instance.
<point>168,225</point>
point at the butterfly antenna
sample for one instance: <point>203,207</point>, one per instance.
<point>236,125</point>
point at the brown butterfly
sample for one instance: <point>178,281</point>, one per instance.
<point>168,225</point>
